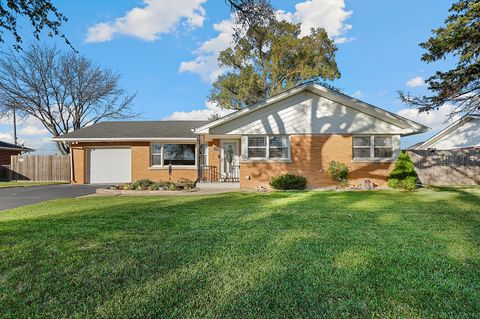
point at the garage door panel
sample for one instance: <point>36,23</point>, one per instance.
<point>110,165</point>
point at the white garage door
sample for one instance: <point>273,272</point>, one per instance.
<point>110,165</point>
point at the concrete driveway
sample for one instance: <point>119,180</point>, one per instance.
<point>21,196</point>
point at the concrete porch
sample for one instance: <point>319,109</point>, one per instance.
<point>218,186</point>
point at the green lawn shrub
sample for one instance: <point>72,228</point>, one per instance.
<point>403,176</point>
<point>339,172</point>
<point>289,182</point>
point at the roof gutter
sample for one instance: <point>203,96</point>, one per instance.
<point>122,139</point>
<point>16,149</point>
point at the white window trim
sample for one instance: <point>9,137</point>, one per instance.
<point>372,148</point>
<point>267,158</point>
<point>161,166</point>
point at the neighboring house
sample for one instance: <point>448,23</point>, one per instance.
<point>462,134</point>
<point>299,131</point>
<point>8,149</point>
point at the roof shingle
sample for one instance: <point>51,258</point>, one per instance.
<point>136,129</point>
<point>10,146</point>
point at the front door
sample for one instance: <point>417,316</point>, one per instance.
<point>230,164</point>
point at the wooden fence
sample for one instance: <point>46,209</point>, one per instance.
<point>40,168</point>
<point>455,167</point>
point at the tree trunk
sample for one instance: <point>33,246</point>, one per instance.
<point>63,148</point>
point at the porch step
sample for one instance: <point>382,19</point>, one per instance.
<point>218,186</point>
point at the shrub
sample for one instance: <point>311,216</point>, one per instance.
<point>171,186</point>
<point>403,175</point>
<point>156,186</point>
<point>124,186</point>
<point>141,184</point>
<point>187,184</point>
<point>289,182</point>
<point>339,171</point>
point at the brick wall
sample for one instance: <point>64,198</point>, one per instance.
<point>140,163</point>
<point>214,152</point>
<point>5,156</point>
<point>310,155</point>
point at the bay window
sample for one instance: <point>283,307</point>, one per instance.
<point>268,147</point>
<point>372,147</point>
<point>173,154</point>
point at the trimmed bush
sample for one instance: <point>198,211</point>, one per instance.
<point>339,171</point>
<point>403,175</point>
<point>289,182</point>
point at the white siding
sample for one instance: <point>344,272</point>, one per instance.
<point>306,113</point>
<point>466,135</point>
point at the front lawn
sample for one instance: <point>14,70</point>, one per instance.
<point>24,184</point>
<point>245,255</point>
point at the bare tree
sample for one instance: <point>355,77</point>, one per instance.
<point>63,90</point>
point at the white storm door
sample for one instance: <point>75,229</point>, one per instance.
<point>230,159</point>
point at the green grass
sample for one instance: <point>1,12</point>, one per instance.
<point>245,255</point>
<point>25,184</point>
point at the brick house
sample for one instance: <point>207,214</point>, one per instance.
<point>9,149</point>
<point>299,131</point>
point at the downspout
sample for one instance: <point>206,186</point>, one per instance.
<point>198,159</point>
<point>71,165</point>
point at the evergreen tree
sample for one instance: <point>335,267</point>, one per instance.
<point>403,175</point>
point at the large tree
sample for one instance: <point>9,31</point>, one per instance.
<point>63,90</point>
<point>268,59</point>
<point>250,14</point>
<point>40,14</point>
<point>459,39</point>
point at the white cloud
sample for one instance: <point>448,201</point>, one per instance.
<point>416,82</point>
<point>358,94</point>
<point>329,14</point>
<point>32,130</point>
<point>206,64</point>
<point>199,114</point>
<point>434,119</point>
<point>150,21</point>
<point>6,137</point>
<point>342,40</point>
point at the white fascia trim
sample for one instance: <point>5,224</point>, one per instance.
<point>341,98</point>
<point>449,129</point>
<point>124,139</point>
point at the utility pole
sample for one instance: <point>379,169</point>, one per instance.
<point>15,127</point>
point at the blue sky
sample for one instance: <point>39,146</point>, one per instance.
<point>165,51</point>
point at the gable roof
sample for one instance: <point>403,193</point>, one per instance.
<point>12,147</point>
<point>449,129</point>
<point>409,126</point>
<point>134,130</point>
